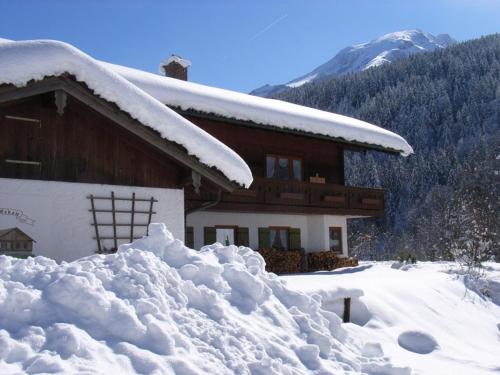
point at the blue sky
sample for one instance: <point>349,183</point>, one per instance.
<point>236,44</point>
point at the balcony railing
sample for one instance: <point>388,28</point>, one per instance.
<point>269,195</point>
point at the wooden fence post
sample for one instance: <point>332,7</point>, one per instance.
<point>347,310</point>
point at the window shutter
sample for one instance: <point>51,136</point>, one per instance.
<point>209,235</point>
<point>294,238</point>
<point>189,240</point>
<point>242,237</point>
<point>264,238</point>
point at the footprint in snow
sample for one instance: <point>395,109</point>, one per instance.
<point>417,342</point>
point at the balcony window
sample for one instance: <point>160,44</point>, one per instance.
<point>336,239</point>
<point>283,168</point>
<point>297,170</point>
<point>279,238</point>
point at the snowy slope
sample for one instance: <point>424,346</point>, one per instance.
<point>422,316</point>
<point>385,49</point>
<point>269,112</point>
<point>24,61</point>
<point>157,307</point>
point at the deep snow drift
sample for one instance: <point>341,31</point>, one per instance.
<point>158,307</point>
<point>420,315</point>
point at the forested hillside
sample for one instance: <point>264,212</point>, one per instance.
<point>446,198</point>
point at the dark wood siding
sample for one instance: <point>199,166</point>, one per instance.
<point>322,157</point>
<point>79,146</point>
<point>253,144</point>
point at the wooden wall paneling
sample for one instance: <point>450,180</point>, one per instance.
<point>80,146</point>
<point>253,144</point>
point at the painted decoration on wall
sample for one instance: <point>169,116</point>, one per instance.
<point>18,214</point>
<point>13,241</point>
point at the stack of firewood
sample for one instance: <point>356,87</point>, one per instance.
<point>293,261</point>
<point>327,261</point>
<point>280,261</point>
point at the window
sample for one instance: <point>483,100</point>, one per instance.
<point>283,168</point>
<point>189,237</point>
<point>270,166</point>
<point>297,170</point>
<point>279,238</point>
<point>336,239</point>
<point>225,235</point>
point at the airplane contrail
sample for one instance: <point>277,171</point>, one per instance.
<point>268,27</point>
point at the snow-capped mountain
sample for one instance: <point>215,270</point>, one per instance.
<point>384,49</point>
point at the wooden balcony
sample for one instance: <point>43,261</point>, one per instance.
<point>275,196</point>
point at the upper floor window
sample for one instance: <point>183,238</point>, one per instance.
<point>283,167</point>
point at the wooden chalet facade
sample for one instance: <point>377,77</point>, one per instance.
<point>79,174</point>
<point>84,162</point>
<point>86,140</point>
<point>298,200</point>
<point>298,184</point>
<point>310,180</point>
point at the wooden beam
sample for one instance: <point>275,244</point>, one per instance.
<point>9,93</point>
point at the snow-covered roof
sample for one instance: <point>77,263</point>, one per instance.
<point>24,61</point>
<point>263,111</point>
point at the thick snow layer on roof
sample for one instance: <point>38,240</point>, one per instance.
<point>157,307</point>
<point>24,61</point>
<point>234,105</point>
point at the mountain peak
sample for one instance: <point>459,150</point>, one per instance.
<point>384,49</point>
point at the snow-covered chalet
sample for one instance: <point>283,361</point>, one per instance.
<point>88,160</point>
<point>286,192</point>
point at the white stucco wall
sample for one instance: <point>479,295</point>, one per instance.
<point>57,217</point>
<point>314,229</point>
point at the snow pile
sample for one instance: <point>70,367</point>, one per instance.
<point>158,307</point>
<point>422,315</point>
<point>24,61</point>
<point>274,113</point>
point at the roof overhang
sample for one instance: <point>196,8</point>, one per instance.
<point>352,145</point>
<point>111,111</point>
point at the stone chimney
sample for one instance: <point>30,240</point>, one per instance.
<point>176,67</point>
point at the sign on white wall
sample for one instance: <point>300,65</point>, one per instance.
<point>58,215</point>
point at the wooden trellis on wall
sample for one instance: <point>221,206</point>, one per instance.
<point>118,220</point>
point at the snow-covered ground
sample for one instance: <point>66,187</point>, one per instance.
<point>157,307</point>
<point>422,316</point>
